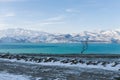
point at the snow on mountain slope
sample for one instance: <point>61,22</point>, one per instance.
<point>22,35</point>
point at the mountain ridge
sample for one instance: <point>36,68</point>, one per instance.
<point>23,36</point>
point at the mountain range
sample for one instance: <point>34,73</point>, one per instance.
<point>30,36</point>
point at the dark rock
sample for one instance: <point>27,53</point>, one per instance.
<point>48,59</point>
<point>39,60</point>
<point>18,57</point>
<point>94,63</point>
<point>10,57</point>
<point>74,61</point>
<point>89,62</point>
<point>80,61</point>
<point>36,59</point>
<point>4,55</point>
<point>104,64</point>
<point>55,59</point>
<point>31,58</point>
<point>98,62</point>
<point>118,69</point>
<point>23,57</point>
<point>115,64</point>
<point>65,61</point>
<point>117,78</point>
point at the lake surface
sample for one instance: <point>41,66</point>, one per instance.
<point>59,48</point>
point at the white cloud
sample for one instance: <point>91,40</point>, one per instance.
<point>49,21</point>
<point>57,18</point>
<point>69,10</point>
<point>2,26</point>
<point>8,14</point>
<point>52,21</point>
<point>46,23</point>
<point>4,17</point>
<point>118,29</point>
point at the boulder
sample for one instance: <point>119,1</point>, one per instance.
<point>89,62</point>
<point>104,63</point>
<point>115,64</point>
<point>80,61</point>
<point>65,61</point>
<point>74,61</point>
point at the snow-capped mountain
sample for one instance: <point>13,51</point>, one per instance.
<point>22,35</point>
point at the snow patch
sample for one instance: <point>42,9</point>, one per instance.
<point>7,76</point>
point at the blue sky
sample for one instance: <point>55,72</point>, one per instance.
<point>60,16</point>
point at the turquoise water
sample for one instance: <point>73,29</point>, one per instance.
<point>60,48</point>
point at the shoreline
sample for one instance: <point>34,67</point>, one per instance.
<point>62,67</point>
<point>79,55</point>
<point>85,60</point>
<point>69,55</point>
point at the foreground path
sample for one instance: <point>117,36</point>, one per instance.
<point>45,72</point>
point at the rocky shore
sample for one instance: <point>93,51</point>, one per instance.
<point>63,67</point>
<point>88,60</point>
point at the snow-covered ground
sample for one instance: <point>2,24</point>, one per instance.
<point>7,76</point>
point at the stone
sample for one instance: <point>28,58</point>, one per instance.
<point>104,63</point>
<point>89,62</point>
<point>80,61</point>
<point>65,61</point>
<point>115,64</point>
<point>74,61</point>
